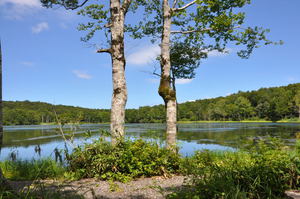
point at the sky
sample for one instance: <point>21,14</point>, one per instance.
<point>44,59</point>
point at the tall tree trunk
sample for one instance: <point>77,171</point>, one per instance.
<point>119,97</point>
<point>1,104</point>
<point>165,90</point>
<point>299,112</point>
<point>3,182</point>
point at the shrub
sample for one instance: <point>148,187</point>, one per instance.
<point>127,160</point>
<point>255,174</point>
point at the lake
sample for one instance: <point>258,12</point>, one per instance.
<point>22,140</point>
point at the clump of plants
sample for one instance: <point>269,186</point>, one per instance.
<point>32,170</point>
<point>265,171</point>
<point>123,162</point>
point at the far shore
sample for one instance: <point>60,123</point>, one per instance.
<point>184,122</point>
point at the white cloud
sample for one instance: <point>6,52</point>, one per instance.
<point>144,56</point>
<point>40,27</point>
<point>82,74</point>
<point>216,53</point>
<point>16,9</point>
<point>29,3</point>
<point>27,63</point>
<point>183,81</point>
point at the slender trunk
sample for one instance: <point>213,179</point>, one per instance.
<point>119,96</point>
<point>165,90</point>
<point>1,105</point>
<point>299,112</point>
<point>3,182</point>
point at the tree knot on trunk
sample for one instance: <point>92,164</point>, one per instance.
<point>117,91</point>
<point>165,90</point>
<point>115,10</point>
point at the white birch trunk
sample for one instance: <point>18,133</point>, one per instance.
<point>119,96</point>
<point>1,105</point>
<point>165,90</point>
<point>3,182</point>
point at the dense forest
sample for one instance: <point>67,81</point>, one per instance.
<point>272,104</point>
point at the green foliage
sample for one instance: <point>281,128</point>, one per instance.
<point>31,170</point>
<point>127,160</point>
<point>272,104</point>
<point>26,113</point>
<point>265,171</point>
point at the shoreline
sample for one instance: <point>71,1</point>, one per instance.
<point>178,122</point>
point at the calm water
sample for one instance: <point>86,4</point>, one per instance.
<point>22,140</point>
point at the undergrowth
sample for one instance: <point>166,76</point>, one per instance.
<point>266,170</point>
<point>32,170</point>
<point>126,161</point>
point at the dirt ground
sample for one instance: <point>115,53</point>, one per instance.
<point>155,187</point>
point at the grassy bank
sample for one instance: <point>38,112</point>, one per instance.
<point>265,169</point>
<point>292,120</point>
<point>32,170</point>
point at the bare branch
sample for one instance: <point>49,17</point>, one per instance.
<point>106,50</point>
<point>125,5</point>
<point>62,131</point>
<point>108,25</point>
<point>192,31</point>
<point>174,4</point>
<point>184,7</point>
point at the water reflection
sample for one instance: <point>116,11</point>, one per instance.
<point>36,141</point>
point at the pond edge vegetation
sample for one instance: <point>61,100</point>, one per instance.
<point>264,169</point>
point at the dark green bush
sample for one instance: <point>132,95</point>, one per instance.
<point>263,173</point>
<point>127,160</point>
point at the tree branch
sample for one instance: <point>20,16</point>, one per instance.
<point>192,31</point>
<point>183,7</point>
<point>68,7</point>
<point>104,50</point>
<point>174,4</point>
<point>125,5</point>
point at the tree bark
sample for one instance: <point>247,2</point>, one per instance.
<point>119,96</point>
<point>1,105</point>
<point>299,112</point>
<point>165,90</point>
<point>4,186</point>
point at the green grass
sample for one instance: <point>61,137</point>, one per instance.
<point>242,121</point>
<point>265,170</point>
<point>290,120</point>
<point>32,170</point>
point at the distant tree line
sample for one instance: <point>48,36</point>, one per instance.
<point>264,104</point>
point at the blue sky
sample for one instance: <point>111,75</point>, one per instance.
<point>44,59</point>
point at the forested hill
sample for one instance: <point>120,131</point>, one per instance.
<point>274,104</point>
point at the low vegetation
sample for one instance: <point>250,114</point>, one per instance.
<point>128,160</point>
<point>32,170</point>
<point>264,169</point>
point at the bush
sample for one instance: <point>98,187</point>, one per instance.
<point>127,160</point>
<point>254,174</point>
<point>31,170</point>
